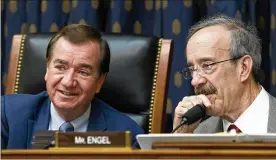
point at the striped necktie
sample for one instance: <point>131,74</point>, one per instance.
<point>66,126</point>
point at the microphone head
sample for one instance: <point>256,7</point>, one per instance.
<point>194,114</point>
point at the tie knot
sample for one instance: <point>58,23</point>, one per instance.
<point>66,126</point>
<point>233,128</point>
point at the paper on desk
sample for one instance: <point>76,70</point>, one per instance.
<point>145,140</point>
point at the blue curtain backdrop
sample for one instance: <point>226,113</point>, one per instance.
<point>162,18</point>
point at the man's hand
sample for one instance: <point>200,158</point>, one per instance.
<point>183,106</point>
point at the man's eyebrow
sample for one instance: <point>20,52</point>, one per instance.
<point>201,60</point>
<point>60,61</point>
<point>206,59</point>
<point>84,65</point>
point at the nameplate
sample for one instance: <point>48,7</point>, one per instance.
<point>93,139</point>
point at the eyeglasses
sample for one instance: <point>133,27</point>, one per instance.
<point>205,69</point>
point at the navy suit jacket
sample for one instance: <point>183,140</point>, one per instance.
<point>23,115</point>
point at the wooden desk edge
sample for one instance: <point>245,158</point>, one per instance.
<point>128,153</point>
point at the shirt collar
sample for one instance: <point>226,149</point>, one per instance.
<point>79,123</point>
<point>255,115</point>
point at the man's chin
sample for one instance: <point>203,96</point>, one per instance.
<point>64,105</point>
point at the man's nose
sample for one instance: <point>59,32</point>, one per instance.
<point>197,79</point>
<point>68,79</point>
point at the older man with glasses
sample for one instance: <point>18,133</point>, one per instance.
<point>224,58</point>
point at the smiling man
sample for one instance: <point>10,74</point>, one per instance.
<point>224,58</point>
<point>77,63</point>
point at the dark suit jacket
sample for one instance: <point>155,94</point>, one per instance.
<point>215,124</point>
<point>23,115</point>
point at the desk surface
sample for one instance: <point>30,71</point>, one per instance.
<point>118,153</point>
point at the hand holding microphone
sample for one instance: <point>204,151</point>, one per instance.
<point>189,112</point>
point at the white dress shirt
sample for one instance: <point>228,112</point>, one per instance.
<point>254,119</point>
<point>80,124</point>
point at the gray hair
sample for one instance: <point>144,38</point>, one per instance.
<point>243,39</point>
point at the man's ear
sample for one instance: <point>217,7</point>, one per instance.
<point>100,82</point>
<point>246,65</point>
<point>46,74</point>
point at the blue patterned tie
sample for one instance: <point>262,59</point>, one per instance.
<point>66,126</point>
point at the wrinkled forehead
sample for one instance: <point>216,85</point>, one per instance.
<point>211,42</point>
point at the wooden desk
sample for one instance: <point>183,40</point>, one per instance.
<point>138,154</point>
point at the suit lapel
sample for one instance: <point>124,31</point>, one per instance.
<point>40,121</point>
<point>97,120</point>
<point>210,125</point>
<point>219,126</point>
<point>271,127</point>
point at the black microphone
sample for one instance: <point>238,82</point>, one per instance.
<point>192,115</point>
